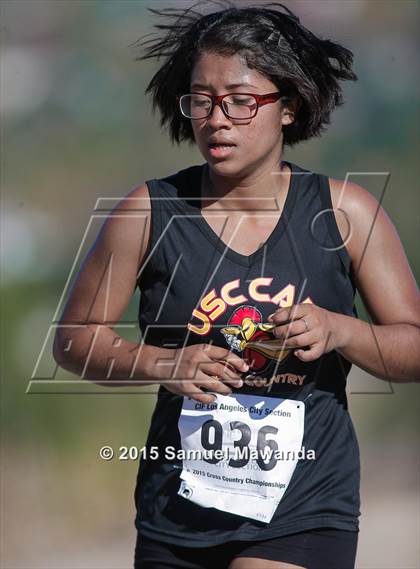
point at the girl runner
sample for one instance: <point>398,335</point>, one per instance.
<point>247,266</point>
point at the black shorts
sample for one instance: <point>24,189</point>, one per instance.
<point>314,549</point>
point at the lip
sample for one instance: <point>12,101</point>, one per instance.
<point>223,150</point>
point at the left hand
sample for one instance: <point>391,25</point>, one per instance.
<point>306,325</point>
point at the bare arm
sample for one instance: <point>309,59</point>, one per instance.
<point>389,348</point>
<point>85,342</point>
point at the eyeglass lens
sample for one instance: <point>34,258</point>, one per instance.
<point>236,106</point>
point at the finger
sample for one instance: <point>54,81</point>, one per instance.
<point>286,330</point>
<point>188,389</point>
<point>236,363</point>
<point>213,383</point>
<point>288,314</point>
<point>310,355</point>
<point>226,372</point>
<point>307,339</point>
<point>222,370</point>
<point>197,389</point>
<point>200,396</point>
<point>218,354</point>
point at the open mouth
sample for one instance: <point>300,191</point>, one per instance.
<point>221,150</point>
<point>224,145</point>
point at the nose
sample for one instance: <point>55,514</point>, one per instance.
<point>218,117</point>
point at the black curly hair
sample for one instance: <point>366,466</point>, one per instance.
<point>272,41</point>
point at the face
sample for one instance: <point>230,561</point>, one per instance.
<point>257,141</point>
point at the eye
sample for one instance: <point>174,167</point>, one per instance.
<point>241,100</point>
<point>200,101</point>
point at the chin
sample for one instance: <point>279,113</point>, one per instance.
<point>226,168</point>
<point>223,169</point>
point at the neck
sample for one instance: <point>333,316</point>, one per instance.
<point>245,193</point>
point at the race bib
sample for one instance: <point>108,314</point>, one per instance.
<point>240,452</point>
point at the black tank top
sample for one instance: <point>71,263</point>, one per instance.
<point>187,274</point>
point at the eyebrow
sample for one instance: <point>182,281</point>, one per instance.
<point>230,86</point>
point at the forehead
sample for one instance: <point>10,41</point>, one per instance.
<point>220,72</point>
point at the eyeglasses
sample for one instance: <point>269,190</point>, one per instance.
<point>234,105</point>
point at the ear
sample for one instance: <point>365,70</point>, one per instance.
<point>290,108</point>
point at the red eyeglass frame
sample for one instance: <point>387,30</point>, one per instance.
<point>217,100</point>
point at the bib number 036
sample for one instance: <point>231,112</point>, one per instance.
<point>237,447</point>
<point>212,430</point>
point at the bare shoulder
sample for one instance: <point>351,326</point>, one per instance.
<point>129,214</point>
<point>359,216</point>
<point>127,227</point>
<point>351,197</point>
<point>381,269</point>
<point>136,200</point>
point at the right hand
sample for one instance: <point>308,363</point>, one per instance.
<point>204,366</point>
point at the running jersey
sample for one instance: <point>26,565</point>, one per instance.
<point>195,289</point>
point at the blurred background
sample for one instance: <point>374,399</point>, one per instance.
<point>76,127</point>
